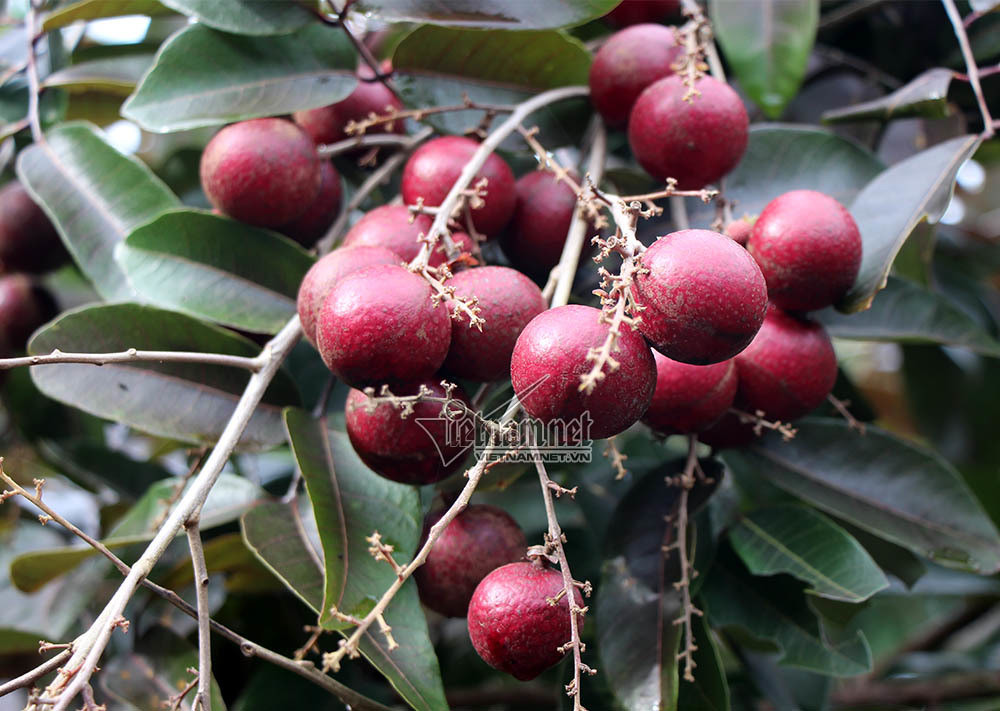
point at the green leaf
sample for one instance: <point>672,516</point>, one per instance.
<point>925,96</point>
<point>890,207</point>
<point>229,498</point>
<point>215,268</point>
<point>710,689</point>
<point>189,402</point>
<point>350,502</point>
<point>890,487</point>
<point>638,603</point>
<point>203,77</point>
<point>774,610</point>
<point>797,540</point>
<point>782,157</point>
<point>99,9</point>
<point>767,42</point>
<point>94,195</point>
<point>904,312</point>
<point>892,559</point>
<point>246,17</point>
<point>488,13</point>
<point>88,462</point>
<point>436,65</point>
<point>117,75</point>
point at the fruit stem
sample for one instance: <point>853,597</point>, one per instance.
<point>971,67</point>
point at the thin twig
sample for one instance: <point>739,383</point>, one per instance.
<point>203,699</point>
<point>841,407</point>
<point>34,86</point>
<point>329,150</point>
<point>686,482</point>
<point>29,678</point>
<point>970,65</point>
<point>363,50</point>
<point>133,355</point>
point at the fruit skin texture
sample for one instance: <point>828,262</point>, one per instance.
<point>263,172</point>
<point>698,142</point>
<point>478,541</point>
<point>389,226</point>
<point>307,228</point>
<point>24,307</point>
<point>535,237</point>
<point>809,249</point>
<point>508,300</point>
<point>633,12</point>
<point>28,240</point>
<point>400,448</point>
<point>511,624</point>
<point>704,297</point>
<point>327,123</point>
<point>689,398</point>
<point>435,166</point>
<point>555,344</point>
<point>788,369</point>
<point>627,63</point>
<point>326,272</point>
<point>378,325</point>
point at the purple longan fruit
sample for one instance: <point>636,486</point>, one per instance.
<point>739,230</point>
<point>307,228</point>
<point>689,398</point>
<point>24,307</point>
<point>535,237</point>
<point>328,124</point>
<point>393,227</point>
<point>28,239</point>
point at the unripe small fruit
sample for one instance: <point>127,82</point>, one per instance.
<point>326,272</point>
<point>312,224</point>
<point>626,64</point>
<point>809,249</point>
<point>263,172</point>
<point>328,124</point>
<point>512,625</point>
<point>788,369</point>
<point>535,237</point>
<point>633,12</point>
<point>478,541</point>
<point>696,141</point>
<point>508,300</point>
<point>378,325</point>
<point>550,356</point>
<point>411,450</point>
<point>704,297</point>
<point>689,398</point>
<point>24,307</point>
<point>433,169</point>
<point>28,240</point>
<point>395,228</point>
<point>739,230</point>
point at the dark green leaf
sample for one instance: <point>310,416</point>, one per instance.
<point>95,196</point>
<point>893,559</point>
<point>350,502</point>
<point>203,77</point>
<point>488,13</point>
<point>97,9</point>
<point>90,463</point>
<point>879,482</point>
<point>804,543</point>
<point>710,690</point>
<point>767,42</point>
<point>215,268</point>
<point>246,17</point>
<point>925,96</point>
<point>775,610</point>
<point>638,603</point>
<point>184,401</point>
<point>117,75</point>
<point>904,312</point>
<point>890,207</point>
<point>782,157</point>
<point>228,499</point>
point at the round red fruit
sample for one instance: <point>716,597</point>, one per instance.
<point>415,449</point>
<point>312,224</point>
<point>512,624</point>
<point>396,228</point>
<point>28,240</point>
<point>633,12</point>
<point>328,124</point>
<point>535,238</point>
<point>326,272</point>
<point>552,353</point>
<point>264,172</point>
<point>809,249</point>
<point>378,325</point>
<point>433,169</point>
<point>627,63</point>
<point>788,369</point>
<point>703,295</point>
<point>508,300</point>
<point>696,141</point>
<point>478,541</point>
<point>689,398</point>
<point>740,230</point>
<point>24,307</point>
